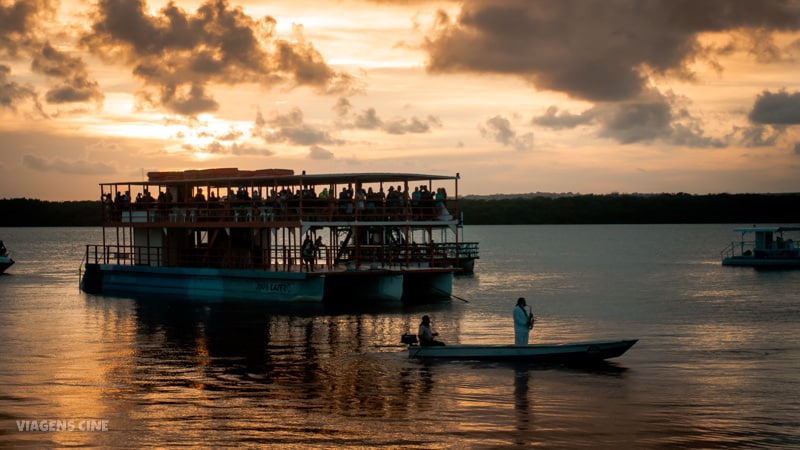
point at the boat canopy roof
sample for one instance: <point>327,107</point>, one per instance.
<point>766,229</point>
<point>279,177</point>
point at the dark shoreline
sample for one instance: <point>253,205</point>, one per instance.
<point>530,209</point>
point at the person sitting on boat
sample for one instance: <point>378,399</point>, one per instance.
<point>523,322</point>
<point>426,334</point>
<point>3,251</point>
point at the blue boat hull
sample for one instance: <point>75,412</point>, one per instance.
<point>358,286</point>
<point>574,352</point>
<point>203,284</point>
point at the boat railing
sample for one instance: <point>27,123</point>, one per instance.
<point>282,257</point>
<point>737,249</point>
<point>747,248</point>
<point>276,212</point>
<point>434,254</point>
<point>286,258</point>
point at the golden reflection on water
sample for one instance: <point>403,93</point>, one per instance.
<point>715,368</point>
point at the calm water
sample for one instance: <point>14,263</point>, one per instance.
<point>716,366</point>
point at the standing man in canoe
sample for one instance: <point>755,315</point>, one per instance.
<point>523,322</point>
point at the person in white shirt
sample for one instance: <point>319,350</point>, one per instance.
<point>523,322</point>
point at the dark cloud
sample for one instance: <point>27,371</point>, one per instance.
<point>559,120</point>
<point>637,121</point>
<point>413,125</point>
<point>13,95</point>
<point>648,118</point>
<point>342,107</point>
<point>780,108</point>
<point>600,50</point>
<point>368,119</point>
<point>188,101</point>
<point>499,129</point>
<point>218,148</point>
<point>319,153</point>
<point>231,135</point>
<point>291,128</point>
<point>80,167</point>
<point>19,23</point>
<point>174,51</point>
<point>71,74</point>
<point>243,150</point>
<point>758,135</point>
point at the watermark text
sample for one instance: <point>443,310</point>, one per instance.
<point>63,425</point>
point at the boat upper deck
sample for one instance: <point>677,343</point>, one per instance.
<point>279,198</point>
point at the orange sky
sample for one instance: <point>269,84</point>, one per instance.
<point>584,96</point>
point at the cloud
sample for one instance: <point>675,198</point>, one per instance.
<point>559,120</point>
<point>319,153</point>
<point>238,149</point>
<point>188,100</point>
<point>292,129</point>
<point>600,50</point>
<point>652,116</point>
<point>70,73</point>
<point>80,167</point>
<point>13,95</point>
<point>369,119</point>
<point>636,121</point>
<point>20,21</point>
<point>178,54</point>
<point>499,129</point>
<point>780,108</point>
<point>759,135</point>
<point>21,24</point>
<point>342,107</point>
<point>413,125</point>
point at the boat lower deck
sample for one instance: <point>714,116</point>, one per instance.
<point>302,285</point>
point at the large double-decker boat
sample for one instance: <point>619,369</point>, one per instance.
<point>273,235</point>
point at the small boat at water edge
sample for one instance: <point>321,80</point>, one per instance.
<point>5,260</point>
<point>764,247</point>
<point>561,352</point>
<point>5,263</point>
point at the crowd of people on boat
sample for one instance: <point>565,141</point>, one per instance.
<point>351,203</point>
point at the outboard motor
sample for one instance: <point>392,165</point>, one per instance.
<point>408,339</point>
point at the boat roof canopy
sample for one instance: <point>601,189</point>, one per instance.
<point>766,229</point>
<point>281,179</point>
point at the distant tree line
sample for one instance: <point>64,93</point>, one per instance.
<point>568,209</point>
<point>24,212</point>
<point>634,209</point>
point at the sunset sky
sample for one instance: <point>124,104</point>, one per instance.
<point>582,96</point>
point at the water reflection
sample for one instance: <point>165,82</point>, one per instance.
<point>522,405</point>
<point>242,358</point>
<point>338,370</point>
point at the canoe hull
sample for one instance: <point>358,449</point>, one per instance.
<point>583,351</point>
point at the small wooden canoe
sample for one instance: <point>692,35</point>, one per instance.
<point>573,352</point>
